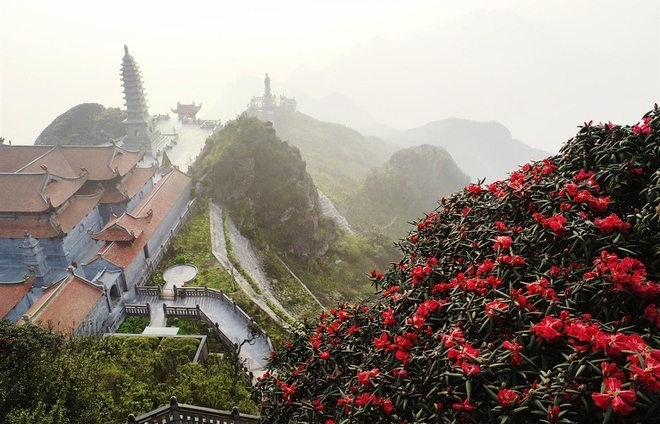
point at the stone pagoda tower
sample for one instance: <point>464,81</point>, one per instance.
<point>140,127</point>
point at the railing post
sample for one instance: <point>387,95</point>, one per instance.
<point>174,288</point>
<point>198,310</point>
<point>174,409</point>
<point>131,419</point>
<point>149,309</point>
<point>206,291</point>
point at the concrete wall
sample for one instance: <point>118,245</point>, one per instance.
<point>93,323</point>
<point>77,244</point>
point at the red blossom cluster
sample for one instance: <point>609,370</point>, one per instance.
<point>533,300</point>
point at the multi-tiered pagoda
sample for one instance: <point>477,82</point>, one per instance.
<point>140,129</point>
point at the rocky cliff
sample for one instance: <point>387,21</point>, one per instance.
<point>264,184</point>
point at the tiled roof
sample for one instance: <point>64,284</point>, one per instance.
<point>28,192</point>
<point>185,109</point>
<point>10,228</point>
<point>123,228</point>
<point>112,195</point>
<point>64,305</point>
<point>75,211</point>
<point>59,190</point>
<point>22,193</point>
<point>159,200</point>
<point>13,158</point>
<point>125,160</point>
<point>101,161</point>
<point>12,293</point>
<point>68,161</point>
<point>130,185</point>
<point>54,162</point>
<point>134,181</point>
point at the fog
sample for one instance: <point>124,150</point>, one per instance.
<point>539,68</point>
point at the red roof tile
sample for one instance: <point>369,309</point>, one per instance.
<point>134,181</point>
<point>59,190</point>
<point>75,211</point>
<point>123,228</point>
<point>12,228</point>
<point>65,305</point>
<point>159,201</point>
<point>12,293</point>
<point>22,193</point>
<point>185,109</point>
<point>54,162</point>
<point>112,195</point>
<point>13,158</point>
<point>29,192</point>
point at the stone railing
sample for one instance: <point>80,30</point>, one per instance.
<point>220,295</point>
<point>195,311</point>
<point>177,413</point>
<point>147,290</point>
<point>138,310</point>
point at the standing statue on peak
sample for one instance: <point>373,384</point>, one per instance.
<point>267,84</point>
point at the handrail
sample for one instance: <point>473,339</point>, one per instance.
<point>179,413</point>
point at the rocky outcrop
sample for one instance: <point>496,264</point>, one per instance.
<point>84,124</point>
<point>264,185</point>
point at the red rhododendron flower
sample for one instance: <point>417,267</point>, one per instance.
<point>649,374</point>
<point>610,223</point>
<point>548,329</point>
<point>388,406</point>
<point>474,189</point>
<point>288,391</point>
<point>318,405</point>
<point>463,406</point>
<point>364,377</point>
<point>620,400</point>
<point>495,306</point>
<point>388,317</point>
<point>502,242</point>
<point>611,370</point>
<point>507,397</point>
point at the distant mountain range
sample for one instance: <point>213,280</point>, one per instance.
<point>484,150</point>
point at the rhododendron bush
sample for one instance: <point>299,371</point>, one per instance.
<point>533,299</point>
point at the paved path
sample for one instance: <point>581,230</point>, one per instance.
<point>228,320</point>
<point>219,248</point>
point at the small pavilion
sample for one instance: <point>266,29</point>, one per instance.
<point>186,110</point>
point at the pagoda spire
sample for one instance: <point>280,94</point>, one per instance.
<point>139,124</point>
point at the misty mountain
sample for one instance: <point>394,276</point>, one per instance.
<point>335,107</point>
<point>405,187</point>
<point>481,149</point>
<point>485,65</point>
<point>340,109</point>
<point>339,158</point>
<point>84,124</point>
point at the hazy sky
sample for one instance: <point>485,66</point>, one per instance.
<point>57,54</point>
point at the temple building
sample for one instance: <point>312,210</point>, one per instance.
<point>187,112</point>
<point>60,207</point>
<point>267,107</point>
